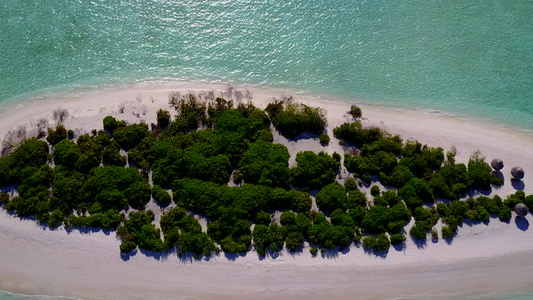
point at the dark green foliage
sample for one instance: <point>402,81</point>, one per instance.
<point>197,164</point>
<point>142,232</point>
<point>192,112</point>
<point>314,170</point>
<point>399,216</point>
<point>376,220</point>
<point>424,223</point>
<point>350,184</point>
<point>111,155</point>
<point>161,196</point>
<point>390,198</point>
<point>287,218</point>
<point>479,174</point>
<point>397,239</point>
<point>340,218</point>
<point>4,198</point>
<point>332,196</point>
<point>294,241</point>
<point>374,191</point>
<point>131,135</point>
<point>265,163</point>
<point>356,199</point>
<point>324,139</point>
<point>504,214</point>
<point>446,232</point>
<point>184,231</point>
<point>268,237</point>
<point>529,202</point>
<point>57,135</point>
<point>415,192</point>
<point>357,214</point>
<point>323,234</point>
<point>107,220</point>
<point>313,251</point>
<point>138,194</point>
<point>390,144</point>
<point>379,243</point>
<point>419,231</point>
<point>70,134</point>
<point>355,111</point>
<point>355,134</point>
<point>197,243</point>
<point>163,118</point>
<point>66,154</point>
<point>35,182</point>
<point>293,119</point>
<point>262,218</point>
<point>512,200</point>
<point>371,164</point>
<point>242,244</point>
<point>399,177</point>
<point>141,155</point>
<point>31,153</point>
<point>127,246</point>
<point>110,124</point>
<point>115,187</point>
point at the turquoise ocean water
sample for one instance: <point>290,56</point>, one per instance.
<point>463,57</point>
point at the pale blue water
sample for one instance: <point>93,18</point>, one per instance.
<point>467,57</point>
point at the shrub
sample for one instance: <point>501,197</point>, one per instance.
<point>262,218</point>
<point>70,134</point>
<point>314,170</point>
<point>376,220</point>
<point>131,135</point>
<point>313,251</point>
<point>350,184</point>
<point>294,241</point>
<point>446,232</point>
<point>287,218</point>
<point>55,136</point>
<point>266,164</point>
<point>355,134</point>
<point>293,119</point>
<point>397,239</point>
<point>379,243</point>
<point>529,202</point>
<point>127,246</point>
<point>331,197</point>
<point>374,191</point>
<point>161,196</point>
<point>355,111</point>
<point>324,139</point>
<point>505,214</point>
<point>434,234</point>
<point>110,124</point>
<point>163,118</point>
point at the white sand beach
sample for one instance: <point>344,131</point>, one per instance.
<point>482,259</point>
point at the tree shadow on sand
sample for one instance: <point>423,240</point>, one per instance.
<point>518,185</point>
<point>522,223</point>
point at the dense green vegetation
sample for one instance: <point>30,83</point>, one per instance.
<point>84,183</point>
<point>292,119</point>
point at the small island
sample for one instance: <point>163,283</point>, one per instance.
<point>218,182</point>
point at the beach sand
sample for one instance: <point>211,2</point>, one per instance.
<point>481,259</point>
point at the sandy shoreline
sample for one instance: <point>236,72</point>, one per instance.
<point>482,259</point>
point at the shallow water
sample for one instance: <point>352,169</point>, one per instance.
<point>459,57</point>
